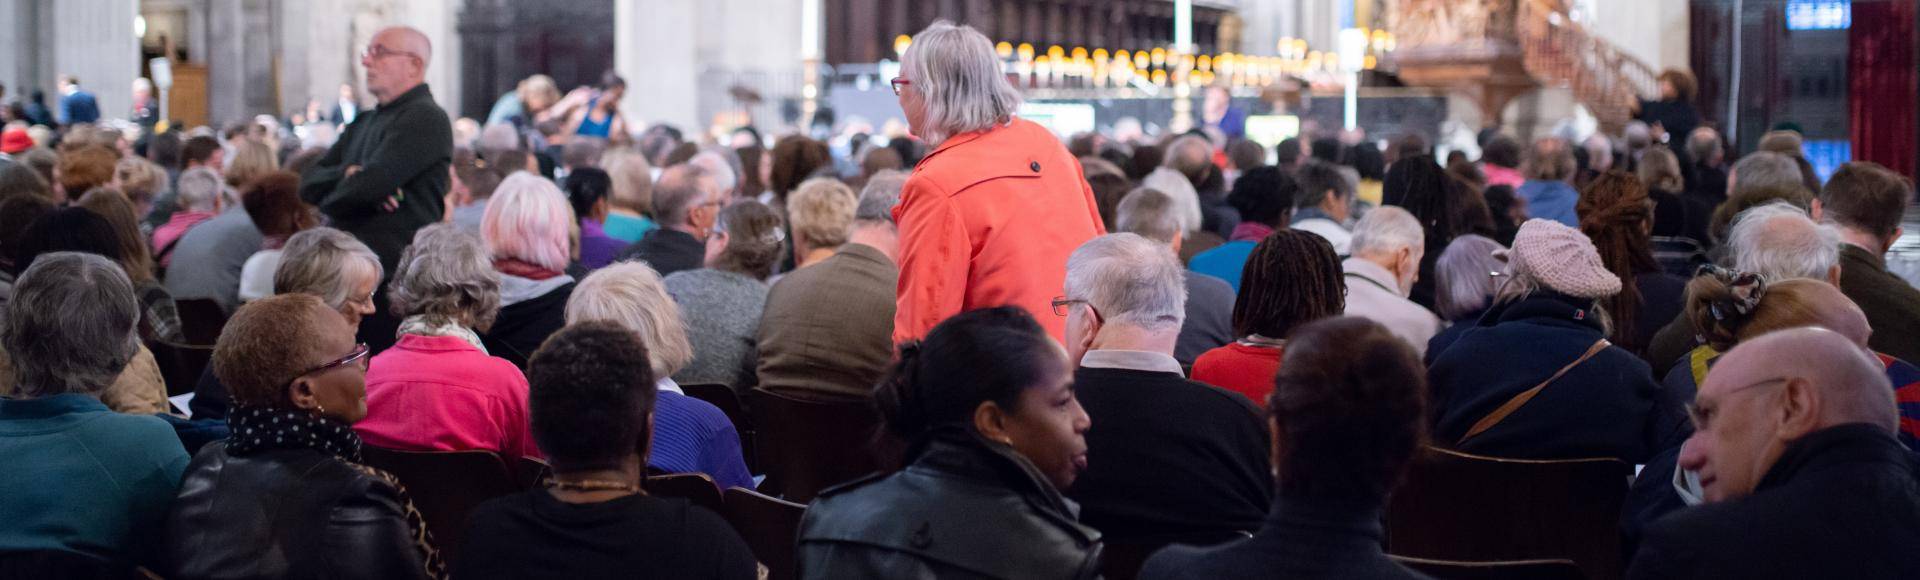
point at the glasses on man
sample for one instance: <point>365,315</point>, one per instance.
<point>357,358</point>
<point>376,52</point>
<point>1702,416</point>
<point>899,84</point>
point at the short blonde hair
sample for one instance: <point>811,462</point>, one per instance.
<point>962,79</point>
<point>822,210</point>
<point>139,178</point>
<point>529,220</point>
<point>251,159</point>
<point>632,180</point>
<point>631,295</point>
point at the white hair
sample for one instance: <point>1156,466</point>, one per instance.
<point>1147,212</point>
<point>1170,182</point>
<point>1387,229</point>
<point>631,295</point>
<point>1129,279</point>
<point>717,166</point>
<point>499,137</point>
<point>955,69</point>
<point>1779,241</point>
<point>198,189</point>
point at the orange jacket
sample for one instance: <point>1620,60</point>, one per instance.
<point>988,219</point>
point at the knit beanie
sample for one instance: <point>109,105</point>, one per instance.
<point>1562,259</point>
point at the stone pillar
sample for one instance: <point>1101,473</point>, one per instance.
<point>437,19</point>
<point>93,40</point>
<point>654,47</point>
<point>16,29</point>
<point>226,61</point>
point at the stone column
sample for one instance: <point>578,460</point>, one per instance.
<point>654,46</point>
<point>92,40</point>
<point>226,61</point>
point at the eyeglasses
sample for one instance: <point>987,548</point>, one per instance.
<point>375,51</point>
<point>358,358</point>
<point>1703,416</point>
<point>899,84</point>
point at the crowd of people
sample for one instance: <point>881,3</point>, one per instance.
<point>1183,341</point>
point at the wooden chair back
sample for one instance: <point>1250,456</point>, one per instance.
<point>532,472</point>
<point>693,487</point>
<point>728,401</point>
<point>771,527</point>
<point>811,444</point>
<point>1509,570</point>
<point>180,364</point>
<point>446,486</point>
<point>200,320</point>
<point>1461,507</point>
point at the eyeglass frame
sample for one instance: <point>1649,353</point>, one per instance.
<point>1063,306</point>
<point>898,84</point>
<point>375,51</point>
<point>1700,419</point>
<point>360,352</point>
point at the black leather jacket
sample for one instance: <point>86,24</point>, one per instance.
<point>963,509</point>
<point>288,513</point>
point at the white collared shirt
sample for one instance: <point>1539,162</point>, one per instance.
<point>666,385</point>
<point>1133,360</point>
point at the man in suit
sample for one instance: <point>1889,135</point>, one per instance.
<point>346,108</point>
<point>76,106</point>
<point>387,175</point>
<point>1802,476</point>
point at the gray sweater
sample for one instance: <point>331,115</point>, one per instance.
<point>722,313</point>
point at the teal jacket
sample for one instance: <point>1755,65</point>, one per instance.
<point>81,478</point>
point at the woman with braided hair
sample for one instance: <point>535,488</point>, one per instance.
<point>1446,208</point>
<point>994,432</point>
<point>1617,215</point>
<point>1291,278</point>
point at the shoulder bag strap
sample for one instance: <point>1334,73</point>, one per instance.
<point>1520,400</point>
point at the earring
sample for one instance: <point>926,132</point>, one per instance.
<point>319,409</point>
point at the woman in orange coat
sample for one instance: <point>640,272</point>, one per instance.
<point>990,216</point>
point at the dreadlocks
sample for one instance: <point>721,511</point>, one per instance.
<point>1614,212</point>
<point>1291,278</point>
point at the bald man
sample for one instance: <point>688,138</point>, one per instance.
<point>386,175</point>
<point>1798,463</point>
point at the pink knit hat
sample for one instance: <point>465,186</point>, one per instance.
<point>1562,259</point>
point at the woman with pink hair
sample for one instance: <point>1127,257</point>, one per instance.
<point>528,228</point>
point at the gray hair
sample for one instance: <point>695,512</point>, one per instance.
<point>677,191</point>
<point>69,326</point>
<point>1465,275</point>
<point>316,261</point>
<point>631,295</point>
<point>1149,213</point>
<point>1186,199</point>
<point>1703,144</point>
<point>582,152</point>
<point>446,276</point>
<point>1130,279</point>
<point>198,189</point>
<point>723,164</point>
<point>1387,229</point>
<point>498,137</point>
<point>1779,242</point>
<point>880,195</point>
<point>955,69</point>
<point>1767,170</point>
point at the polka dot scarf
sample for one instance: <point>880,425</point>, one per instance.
<point>257,429</point>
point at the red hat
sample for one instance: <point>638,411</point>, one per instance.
<point>15,141</point>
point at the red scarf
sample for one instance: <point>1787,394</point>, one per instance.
<point>512,267</point>
<point>1254,231</point>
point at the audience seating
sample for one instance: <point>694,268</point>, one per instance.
<point>770,526</point>
<point>446,486</point>
<point>693,487</point>
<point>1455,506</point>
<point>1513,570</point>
<point>812,443</point>
<point>728,400</point>
<point>531,472</point>
<point>200,320</point>
<point>180,364</point>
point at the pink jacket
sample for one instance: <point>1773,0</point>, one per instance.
<point>439,393</point>
<point>988,219</point>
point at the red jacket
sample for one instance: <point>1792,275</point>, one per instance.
<point>988,219</point>
<point>1248,370</point>
<point>439,393</point>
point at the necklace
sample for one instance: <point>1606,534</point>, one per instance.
<point>1256,340</point>
<point>594,485</point>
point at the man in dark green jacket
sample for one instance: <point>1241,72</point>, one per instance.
<point>385,177</point>
<point>1867,201</point>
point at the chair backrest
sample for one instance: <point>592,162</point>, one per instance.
<point>728,400</point>
<point>1509,570</point>
<point>693,487</point>
<point>1455,506</point>
<point>445,486</point>
<point>811,444</point>
<point>771,528</point>
<point>531,472</point>
<point>61,564</point>
<point>200,320</point>
<point>180,364</point>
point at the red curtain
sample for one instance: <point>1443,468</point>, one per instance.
<point>1883,82</point>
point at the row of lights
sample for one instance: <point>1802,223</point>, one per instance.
<point>1079,67</point>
